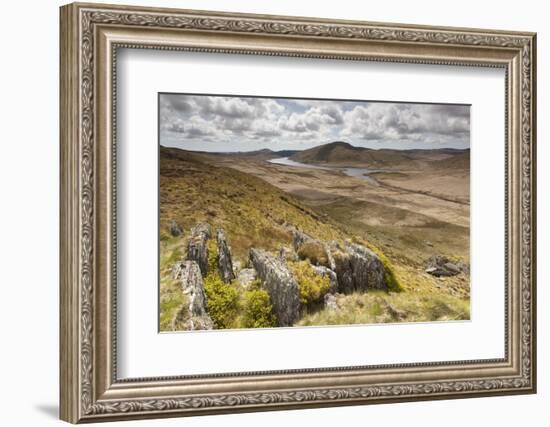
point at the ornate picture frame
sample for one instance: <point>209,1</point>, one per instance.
<point>90,37</point>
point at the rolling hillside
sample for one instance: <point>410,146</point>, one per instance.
<point>252,211</point>
<point>343,154</point>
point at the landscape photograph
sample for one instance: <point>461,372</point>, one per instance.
<point>294,212</point>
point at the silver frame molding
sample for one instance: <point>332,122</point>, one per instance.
<point>90,37</point>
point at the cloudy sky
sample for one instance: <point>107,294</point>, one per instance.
<point>230,123</point>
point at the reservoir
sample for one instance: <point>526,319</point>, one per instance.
<point>362,173</point>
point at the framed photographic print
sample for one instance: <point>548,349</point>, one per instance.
<point>266,212</point>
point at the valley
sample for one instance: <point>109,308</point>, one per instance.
<point>408,205</point>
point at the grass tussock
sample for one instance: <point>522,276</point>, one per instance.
<point>314,252</point>
<point>380,307</point>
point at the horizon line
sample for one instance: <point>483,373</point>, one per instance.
<point>315,146</point>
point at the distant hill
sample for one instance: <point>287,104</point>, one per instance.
<point>263,154</point>
<point>341,153</point>
<point>457,160</point>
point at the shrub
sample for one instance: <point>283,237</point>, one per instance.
<point>313,287</point>
<point>258,312</point>
<point>223,298</point>
<point>314,252</point>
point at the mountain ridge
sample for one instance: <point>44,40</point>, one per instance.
<point>340,153</point>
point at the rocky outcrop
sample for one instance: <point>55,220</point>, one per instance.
<point>300,239</point>
<point>194,313</point>
<point>175,229</point>
<point>343,270</point>
<point>197,246</point>
<point>357,268</point>
<point>313,250</point>
<point>280,284</point>
<point>441,266</point>
<point>246,276</point>
<point>330,258</point>
<point>327,272</point>
<point>368,270</point>
<point>287,254</point>
<point>225,264</point>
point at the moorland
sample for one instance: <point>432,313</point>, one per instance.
<point>401,213</point>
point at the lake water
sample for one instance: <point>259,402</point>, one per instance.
<point>287,162</point>
<point>362,173</point>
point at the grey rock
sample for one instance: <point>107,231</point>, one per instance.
<point>451,267</point>
<point>331,302</point>
<point>237,266</point>
<point>463,267</point>
<point>246,276</point>
<point>441,266</point>
<point>357,268</point>
<point>175,229</point>
<point>195,311</point>
<point>199,323</point>
<point>225,264</point>
<point>287,254</point>
<point>197,246</point>
<point>331,262</point>
<point>327,272</point>
<point>280,284</point>
<point>343,270</point>
<point>300,239</point>
<point>368,270</point>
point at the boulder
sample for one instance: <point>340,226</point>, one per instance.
<point>327,272</point>
<point>246,276</point>
<point>197,246</point>
<point>195,311</point>
<point>343,270</point>
<point>357,268</point>
<point>280,284</point>
<point>368,270</point>
<point>175,229</point>
<point>441,266</point>
<point>225,264</point>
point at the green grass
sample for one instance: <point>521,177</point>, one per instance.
<point>254,213</point>
<point>171,295</point>
<point>381,307</point>
<point>172,300</point>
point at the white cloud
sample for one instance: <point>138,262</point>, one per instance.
<point>274,122</point>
